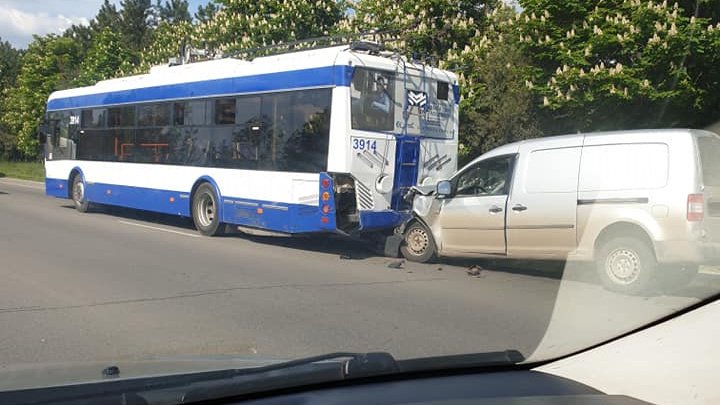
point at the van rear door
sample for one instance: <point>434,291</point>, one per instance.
<point>541,217</point>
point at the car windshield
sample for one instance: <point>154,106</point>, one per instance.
<point>202,184</point>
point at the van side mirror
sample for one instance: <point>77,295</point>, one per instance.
<point>443,188</point>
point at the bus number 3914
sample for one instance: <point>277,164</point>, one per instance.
<point>364,144</point>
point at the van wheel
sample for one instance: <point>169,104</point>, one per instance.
<point>626,265</point>
<point>418,244</point>
<point>205,211</point>
<point>78,194</point>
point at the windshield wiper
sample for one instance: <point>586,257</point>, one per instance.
<point>210,385</point>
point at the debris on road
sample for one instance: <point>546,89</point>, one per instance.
<point>396,264</point>
<point>476,271</point>
<point>346,257</point>
<point>439,269</point>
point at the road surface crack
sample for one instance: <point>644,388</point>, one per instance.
<point>200,293</point>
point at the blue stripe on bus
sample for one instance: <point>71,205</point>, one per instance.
<point>370,220</point>
<point>279,217</point>
<point>56,188</point>
<point>456,93</point>
<point>316,77</point>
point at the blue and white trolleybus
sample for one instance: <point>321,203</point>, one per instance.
<point>323,140</point>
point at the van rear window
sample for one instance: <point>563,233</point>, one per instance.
<point>709,148</point>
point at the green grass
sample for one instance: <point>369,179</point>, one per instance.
<point>22,170</point>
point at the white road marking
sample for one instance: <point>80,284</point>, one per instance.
<point>192,235</point>
<point>23,184</point>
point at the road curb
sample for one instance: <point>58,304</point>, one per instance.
<point>11,180</point>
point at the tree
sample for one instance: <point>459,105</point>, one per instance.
<point>105,58</point>
<point>620,64</point>
<point>9,64</point>
<point>136,17</point>
<point>169,41</point>
<point>497,107</point>
<point>82,34</point>
<point>9,68</point>
<point>207,12</point>
<point>107,17</point>
<point>422,27</point>
<point>173,11</point>
<point>243,24</point>
<point>50,63</point>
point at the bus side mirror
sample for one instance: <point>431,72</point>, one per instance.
<point>443,189</point>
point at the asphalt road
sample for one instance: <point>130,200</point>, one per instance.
<point>121,285</point>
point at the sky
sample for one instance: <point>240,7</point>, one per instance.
<point>20,19</point>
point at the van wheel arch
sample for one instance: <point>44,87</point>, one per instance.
<point>623,229</point>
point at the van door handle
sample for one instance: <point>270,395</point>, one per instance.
<point>519,208</point>
<point>495,209</point>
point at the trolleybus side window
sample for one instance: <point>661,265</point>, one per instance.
<point>152,140</point>
<point>95,143</point>
<point>121,120</point>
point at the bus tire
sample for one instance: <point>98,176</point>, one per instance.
<point>204,207</point>
<point>627,265</point>
<point>418,244</point>
<point>78,194</point>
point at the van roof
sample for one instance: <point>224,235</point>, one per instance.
<point>635,133</point>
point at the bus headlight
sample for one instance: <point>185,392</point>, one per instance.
<point>383,184</point>
<point>428,181</point>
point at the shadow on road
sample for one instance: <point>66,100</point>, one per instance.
<point>348,248</point>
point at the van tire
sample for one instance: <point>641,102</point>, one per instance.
<point>626,265</point>
<point>78,194</point>
<point>418,244</point>
<point>205,211</point>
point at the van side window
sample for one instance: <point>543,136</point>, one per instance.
<point>489,177</point>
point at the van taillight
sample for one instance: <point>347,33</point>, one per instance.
<point>695,207</point>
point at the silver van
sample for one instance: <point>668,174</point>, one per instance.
<point>637,203</point>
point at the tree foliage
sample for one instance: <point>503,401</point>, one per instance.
<point>50,63</point>
<point>105,58</point>
<point>136,24</point>
<point>422,27</point>
<point>620,64</point>
<point>170,40</point>
<point>9,68</point>
<point>243,24</point>
<point>497,107</point>
<point>207,12</point>
<point>173,11</point>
